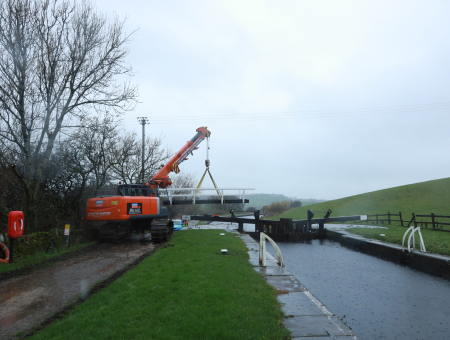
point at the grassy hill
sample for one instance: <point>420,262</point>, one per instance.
<point>260,200</point>
<point>420,198</point>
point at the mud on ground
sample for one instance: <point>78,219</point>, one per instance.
<point>28,300</point>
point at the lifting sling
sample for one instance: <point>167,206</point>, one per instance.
<point>212,179</point>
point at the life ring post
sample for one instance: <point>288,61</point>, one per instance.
<point>11,250</point>
<point>15,229</point>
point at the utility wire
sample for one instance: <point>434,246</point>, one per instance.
<point>301,114</point>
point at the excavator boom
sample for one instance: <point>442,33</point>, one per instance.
<point>161,178</point>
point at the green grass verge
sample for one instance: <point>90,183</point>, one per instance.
<point>420,198</point>
<point>39,257</point>
<point>435,241</point>
<point>188,291</point>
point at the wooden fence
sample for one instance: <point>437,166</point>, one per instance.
<point>388,218</point>
<point>432,221</point>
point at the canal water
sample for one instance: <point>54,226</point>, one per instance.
<point>376,298</point>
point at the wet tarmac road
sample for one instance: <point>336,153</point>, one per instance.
<point>379,299</point>
<point>26,300</point>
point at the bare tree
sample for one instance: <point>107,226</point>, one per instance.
<point>125,153</point>
<point>128,161</point>
<point>59,62</point>
<point>94,149</point>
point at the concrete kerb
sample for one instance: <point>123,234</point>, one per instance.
<point>434,264</point>
<point>305,315</point>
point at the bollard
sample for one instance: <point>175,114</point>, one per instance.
<point>52,243</point>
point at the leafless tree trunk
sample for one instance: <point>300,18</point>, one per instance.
<point>127,165</point>
<point>59,63</point>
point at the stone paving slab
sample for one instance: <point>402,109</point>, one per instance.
<point>329,337</point>
<point>254,259</point>
<point>300,304</point>
<point>269,271</point>
<point>253,246</point>
<point>313,326</point>
<point>248,238</point>
<point>286,283</point>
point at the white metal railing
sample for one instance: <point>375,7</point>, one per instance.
<point>412,238</point>
<point>262,250</point>
<point>196,192</point>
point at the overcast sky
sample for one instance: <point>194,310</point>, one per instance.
<point>313,99</point>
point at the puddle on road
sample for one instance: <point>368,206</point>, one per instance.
<point>28,299</point>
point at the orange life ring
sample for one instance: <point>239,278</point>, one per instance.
<point>6,250</point>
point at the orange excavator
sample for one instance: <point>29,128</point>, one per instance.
<point>137,207</point>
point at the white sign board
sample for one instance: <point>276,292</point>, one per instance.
<point>186,217</point>
<point>363,217</point>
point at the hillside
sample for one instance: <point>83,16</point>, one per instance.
<point>420,198</point>
<point>260,200</point>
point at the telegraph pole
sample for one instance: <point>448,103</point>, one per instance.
<point>143,121</point>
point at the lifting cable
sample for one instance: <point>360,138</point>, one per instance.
<point>212,179</point>
<point>207,171</point>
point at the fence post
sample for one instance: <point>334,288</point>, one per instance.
<point>432,221</point>
<point>290,228</point>
<point>310,216</point>
<point>414,218</point>
<point>376,216</point>
<point>257,223</point>
<point>401,218</point>
<point>389,217</point>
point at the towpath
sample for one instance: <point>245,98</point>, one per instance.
<point>27,300</point>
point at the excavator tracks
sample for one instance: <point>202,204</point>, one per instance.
<point>113,232</point>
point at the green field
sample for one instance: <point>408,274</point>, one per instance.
<point>435,241</point>
<point>305,203</point>
<point>188,290</point>
<point>420,198</point>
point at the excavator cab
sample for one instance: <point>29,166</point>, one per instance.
<point>135,190</point>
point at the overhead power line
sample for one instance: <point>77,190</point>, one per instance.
<point>261,116</point>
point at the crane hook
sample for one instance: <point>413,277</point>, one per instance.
<point>207,151</point>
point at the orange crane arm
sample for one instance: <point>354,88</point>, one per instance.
<point>161,178</point>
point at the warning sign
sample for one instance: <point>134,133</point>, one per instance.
<point>67,229</point>
<point>134,208</point>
